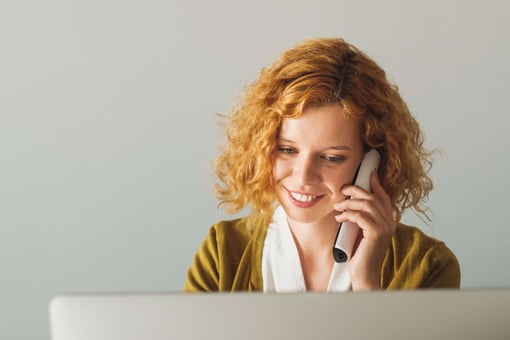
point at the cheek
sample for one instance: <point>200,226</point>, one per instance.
<point>279,169</point>
<point>338,179</point>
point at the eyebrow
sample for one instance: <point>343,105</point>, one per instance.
<point>333,147</point>
<point>340,147</point>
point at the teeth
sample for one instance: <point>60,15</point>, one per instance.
<point>301,197</point>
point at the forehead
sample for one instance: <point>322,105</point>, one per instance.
<point>321,124</point>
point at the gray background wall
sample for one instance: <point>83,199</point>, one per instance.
<point>108,126</point>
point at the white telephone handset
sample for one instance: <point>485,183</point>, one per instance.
<point>348,231</point>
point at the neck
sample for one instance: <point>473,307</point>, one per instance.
<point>314,242</point>
<point>315,235</point>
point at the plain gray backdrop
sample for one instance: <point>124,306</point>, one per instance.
<point>108,128</point>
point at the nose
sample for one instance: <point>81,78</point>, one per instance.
<point>306,169</point>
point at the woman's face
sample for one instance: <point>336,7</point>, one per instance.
<point>315,155</point>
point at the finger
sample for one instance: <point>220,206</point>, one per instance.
<point>368,227</point>
<point>372,227</point>
<point>369,206</point>
<point>379,191</point>
<point>354,216</point>
<point>354,191</point>
<point>363,200</point>
<point>372,210</point>
<point>378,196</point>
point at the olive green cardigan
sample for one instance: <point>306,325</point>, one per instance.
<point>230,259</point>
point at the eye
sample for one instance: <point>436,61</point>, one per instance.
<point>285,149</point>
<point>333,158</point>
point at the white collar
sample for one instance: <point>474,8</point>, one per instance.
<point>281,266</point>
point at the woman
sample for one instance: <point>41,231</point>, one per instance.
<point>292,151</point>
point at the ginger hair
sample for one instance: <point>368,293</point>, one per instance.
<point>314,73</point>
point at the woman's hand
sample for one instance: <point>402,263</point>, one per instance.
<point>373,213</point>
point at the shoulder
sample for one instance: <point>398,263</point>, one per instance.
<point>226,240</point>
<point>408,238</point>
<point>237,228</point>
<point>406,234</point>
<point>235,233</point>
<point>420,260</point>
<point>224,260</point>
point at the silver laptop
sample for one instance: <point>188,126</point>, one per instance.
<point>422,314</point>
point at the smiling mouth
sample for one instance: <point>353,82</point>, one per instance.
<point>303,200</point>
<point>302,197</point>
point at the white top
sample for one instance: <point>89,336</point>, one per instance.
<point>281,266</point>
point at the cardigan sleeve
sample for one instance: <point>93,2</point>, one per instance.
<point>443,268</point>
<point>203,274</point>
<point>415,260</point>
<point>222,260</point>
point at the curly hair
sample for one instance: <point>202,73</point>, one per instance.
<point>314,73</point>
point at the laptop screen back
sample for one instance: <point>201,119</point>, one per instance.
<point>421,314</point>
